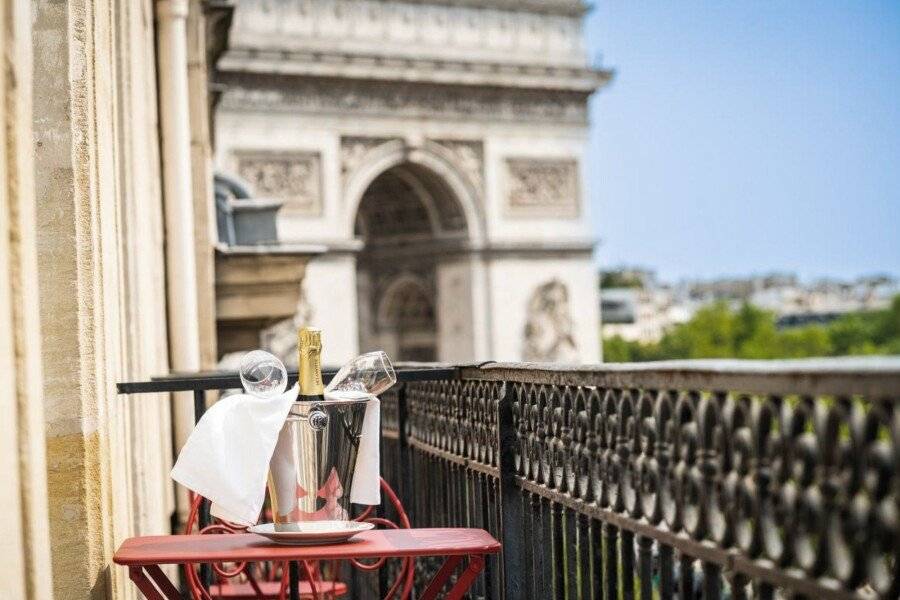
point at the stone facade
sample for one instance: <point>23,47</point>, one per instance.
<point>448,143</point>
<point>101,286</point>
<point>24,530</point>
<point>84,279</point>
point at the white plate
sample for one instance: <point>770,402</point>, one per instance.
<point>311,533</point>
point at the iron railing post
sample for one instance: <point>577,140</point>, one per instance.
<point>294,580</point>
<point>406,471</point>
<point>203,517</point>
<point>199,405</point>
<point>381,511</point>
<point>510,499</point>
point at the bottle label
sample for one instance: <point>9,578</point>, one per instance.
<point>310,362</point>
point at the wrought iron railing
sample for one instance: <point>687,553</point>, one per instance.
<point>709,479</point>
<point>696,479</point>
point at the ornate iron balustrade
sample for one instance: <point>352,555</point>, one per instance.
<point>698,478</point>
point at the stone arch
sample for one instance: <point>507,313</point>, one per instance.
<point>418,215</point>
<point>410,204</point>
<point>407,310</point>
<point>404,293</point>
<point>431,158</point>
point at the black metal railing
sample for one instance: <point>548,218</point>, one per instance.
<point>701,479</point>
<point>696,479</point>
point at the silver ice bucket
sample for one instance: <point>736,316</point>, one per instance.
<point>311,471</point>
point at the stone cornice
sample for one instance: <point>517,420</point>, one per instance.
<point>382,68</point>
<point>569,8</point>
<point>278,249</point>
<point>333,96</point>
<point>448,247</point>
<point>454,248</point>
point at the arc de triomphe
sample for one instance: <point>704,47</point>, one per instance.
<point>437,149</point>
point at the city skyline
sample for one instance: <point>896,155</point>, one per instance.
<point>746,276</point>
<point>740,139</point>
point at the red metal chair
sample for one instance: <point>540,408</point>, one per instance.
<point>269,581</point>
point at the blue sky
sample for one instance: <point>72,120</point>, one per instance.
<point>747,137</point>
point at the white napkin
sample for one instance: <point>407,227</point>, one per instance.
<point>226,457</point>
<point>366,488</point>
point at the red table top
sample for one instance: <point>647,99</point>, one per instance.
<point>239,547</point>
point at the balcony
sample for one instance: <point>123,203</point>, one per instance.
<point>711,479</point>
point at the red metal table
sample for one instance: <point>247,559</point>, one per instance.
<point>144,555</point>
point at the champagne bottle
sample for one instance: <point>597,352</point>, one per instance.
<point>309,349</point>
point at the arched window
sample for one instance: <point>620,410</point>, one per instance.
<point>408,218</point>
<point>406,312</point>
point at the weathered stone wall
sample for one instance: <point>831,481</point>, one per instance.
<point>102,284</point>
<point>24,539</point>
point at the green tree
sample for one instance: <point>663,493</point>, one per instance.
<point>717,331</point>
<point>617,349</point>
<point>709,334</point>
<point>755,334</point>
<point>804,342</point>
<point>853,334</point>
<point>619,279</point>
<point>888,328</point>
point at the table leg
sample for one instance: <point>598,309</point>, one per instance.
<point>143,584</point>
<point>440,578</point>
<point>162,582</point>
<point>463,582</point>
<point>467,578</point>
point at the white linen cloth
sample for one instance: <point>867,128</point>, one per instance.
<point>226,457</point>
<point>366,488</point>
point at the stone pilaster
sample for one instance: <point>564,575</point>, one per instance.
<point>102,285</point>
<point>24,539</point>
<point>201,180</point>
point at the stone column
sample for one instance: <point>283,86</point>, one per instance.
<point>181,263</point>
<point>71,307</point>
<point>457,337</point>
<point>24,537</point>
<point>482,309</point>
<point>102,285</point>
<point>205,235</point>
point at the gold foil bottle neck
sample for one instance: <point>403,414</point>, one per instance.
<point>309,364</point>
<point>310,339</point>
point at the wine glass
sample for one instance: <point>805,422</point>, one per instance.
<point>369,373</point>
<point>262,374</point>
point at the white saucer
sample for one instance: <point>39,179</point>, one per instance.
<point>311,533</point>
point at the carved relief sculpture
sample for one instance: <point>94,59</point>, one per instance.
<point>354,150</point>
<point>548,325</point>
<point>542,187</point>
<point>294,177</point>
<point>469,157</point>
